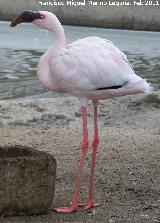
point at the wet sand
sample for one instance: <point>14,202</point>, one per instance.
<point>128,161</point>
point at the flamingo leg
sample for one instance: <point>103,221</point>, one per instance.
<point>74,204</point>
<point>91,203</point>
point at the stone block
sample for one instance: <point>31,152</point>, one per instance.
<point>27,181</point>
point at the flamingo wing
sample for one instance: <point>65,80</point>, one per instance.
<point>89,64</point>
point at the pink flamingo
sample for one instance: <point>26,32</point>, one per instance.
<point>90,69</point>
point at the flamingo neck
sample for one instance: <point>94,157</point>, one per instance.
<point>58,32</point>
<point>52,24</point>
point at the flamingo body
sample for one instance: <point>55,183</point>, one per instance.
<point>87,65</point>
<point>90,69</point>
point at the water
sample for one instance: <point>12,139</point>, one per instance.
<point>21,48</point>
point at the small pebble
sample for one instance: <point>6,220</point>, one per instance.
<point>145,215</point>
<point>77,114</point>
<point>111,221</point>
<point>92,212</point>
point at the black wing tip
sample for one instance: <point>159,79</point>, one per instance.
<point>112,87</point>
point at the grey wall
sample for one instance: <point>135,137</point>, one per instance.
<point>126,17</point>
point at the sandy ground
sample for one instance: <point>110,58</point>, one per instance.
<point>128,162</point>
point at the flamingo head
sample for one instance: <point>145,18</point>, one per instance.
<point>27,17</point>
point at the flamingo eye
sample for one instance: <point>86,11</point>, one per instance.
<point>42,16</point>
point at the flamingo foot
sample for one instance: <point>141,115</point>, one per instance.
<point>89,204</point>
<point>66,209</point>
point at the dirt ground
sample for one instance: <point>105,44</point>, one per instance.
<point>127,175</point>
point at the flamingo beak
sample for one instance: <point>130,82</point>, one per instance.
<point>27,16</point>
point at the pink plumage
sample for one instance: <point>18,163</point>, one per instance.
<point>86,65</point>
<point>90,69</point>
